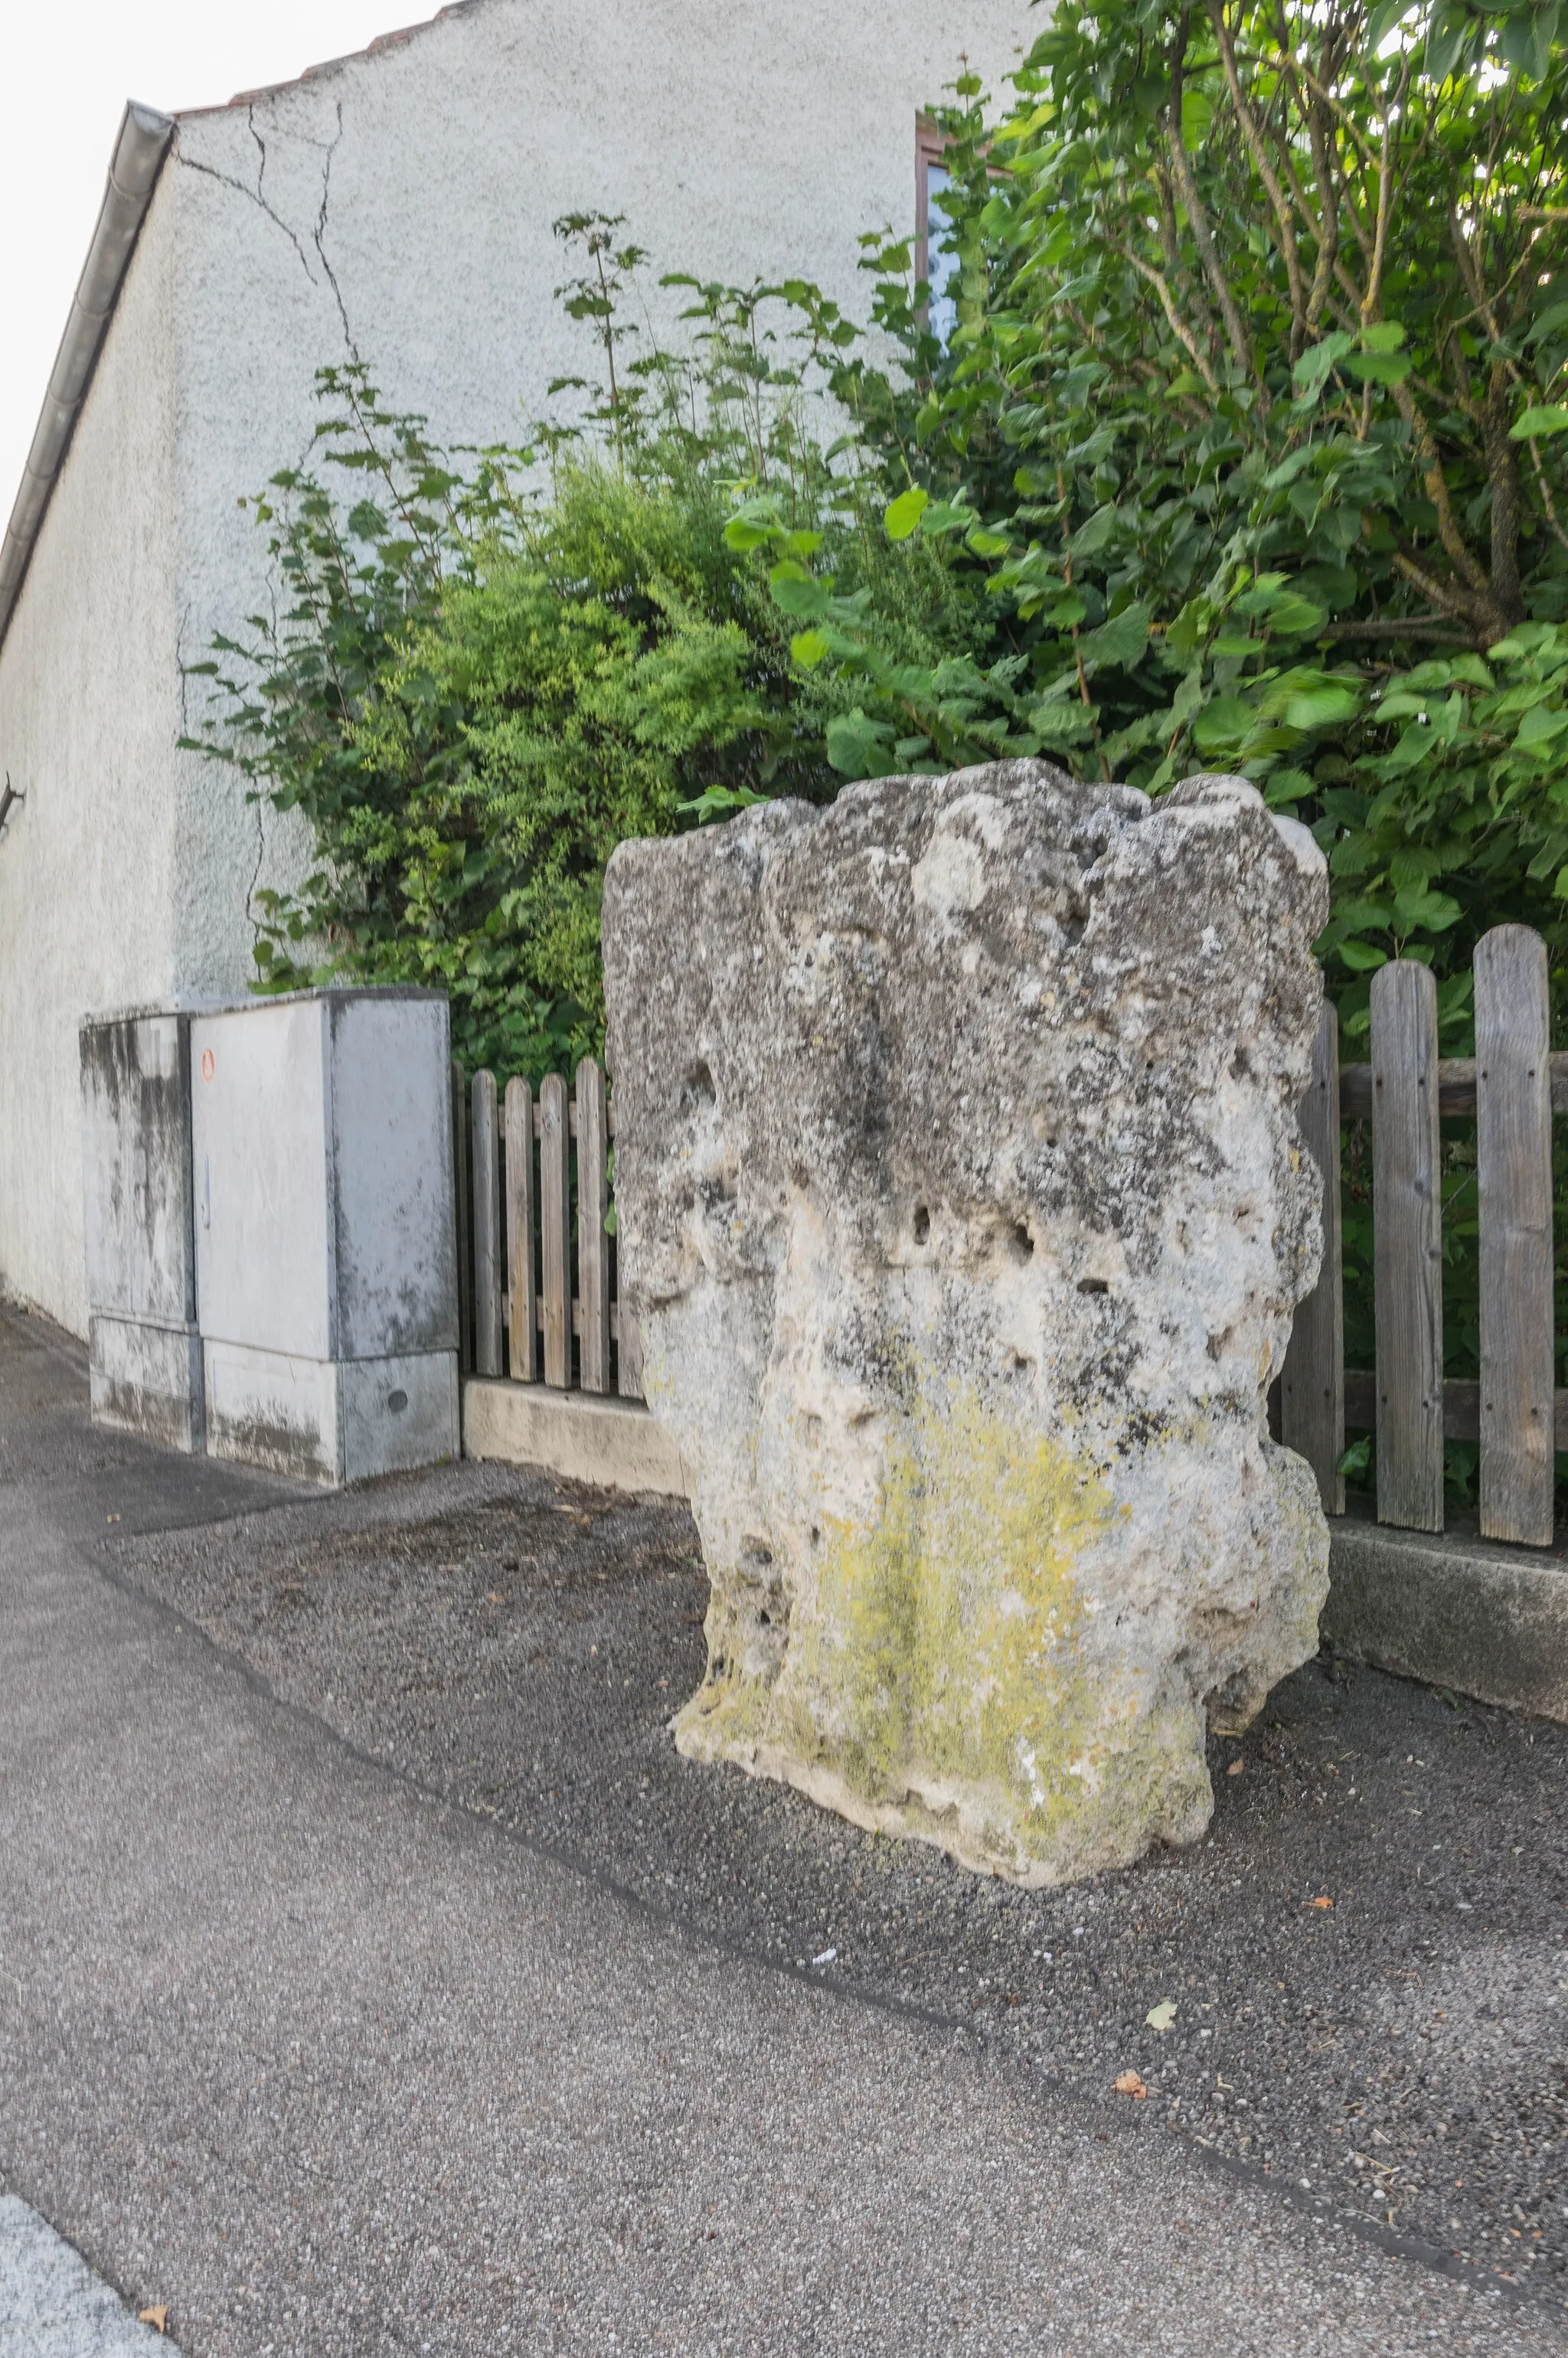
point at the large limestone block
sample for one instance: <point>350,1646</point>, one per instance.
<point>963,1210</point>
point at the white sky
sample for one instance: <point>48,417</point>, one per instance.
<point>67,67</point>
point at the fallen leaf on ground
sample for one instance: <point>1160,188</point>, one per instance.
<point>1323,1901</point>
<point>1236,1768</point>
<point>157,2316</point>
<point>493,1596</point>
<point>1160,2017</point>
<point>1130,2085</point>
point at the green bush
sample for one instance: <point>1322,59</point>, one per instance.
<point>472,696</point>
<point>486,670</point>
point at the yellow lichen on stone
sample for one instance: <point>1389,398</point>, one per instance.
<point>946,1631</point>
<point>935,1678</point>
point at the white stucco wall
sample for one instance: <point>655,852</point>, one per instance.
<point>89,712</point>
<point>399,205</point>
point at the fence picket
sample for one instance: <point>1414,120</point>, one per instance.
<point>1312,1407</point>
<point>1407,1246</point>
<point>627,1348</point>
<point>592,1244</point>
<point>521,1296</point>
<point>555,1228</point>
<point>463,1210</point>
<point>486,1227</point>
<point>1513,1156</point>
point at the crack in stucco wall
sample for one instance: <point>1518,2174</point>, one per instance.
<point>321,231</point>
<point>258,197</point>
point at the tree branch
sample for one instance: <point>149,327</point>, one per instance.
<point>1179,327</point>
<point>1269,178</point>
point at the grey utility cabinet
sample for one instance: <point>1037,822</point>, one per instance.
<point>322,1256</point>
<point>144,1349</point>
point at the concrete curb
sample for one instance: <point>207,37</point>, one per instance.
<point>615,1443</point>
<point>51,2304</point>
<point>1455,1610</point>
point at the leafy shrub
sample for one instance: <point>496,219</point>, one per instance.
<point>472,696</point>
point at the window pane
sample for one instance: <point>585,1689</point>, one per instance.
<point>941,262</point>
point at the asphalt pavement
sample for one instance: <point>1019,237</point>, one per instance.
<point>314,2046</point>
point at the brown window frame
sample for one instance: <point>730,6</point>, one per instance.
<point>930,146</point>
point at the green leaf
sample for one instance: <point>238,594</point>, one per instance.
<point>1310,371</point>
<point>795,592</point>
<point>1092,537</point>
<point>1120,641</point>
<point>1224,722</point>
<point>1451,33</point>
<point>946,515</point>
<point>903,516</point>
<point>1296,618</point>
<point>807,648</point>
<point>1433,912</point>
<point>1541,725</point>
<point>1553,318</point>
<point>1197,113</point>
<point>859,748</point>
<point>719,802</point>
<point>1383,336</point>
<point>1362,957</point>
<point>1551,417</point>
<point>1377,368</point>
<point>1320,707</point>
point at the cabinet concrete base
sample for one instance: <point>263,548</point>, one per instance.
<point>330,1420</point>
<point>147,1379</point>
<point>615,1443</point>
<point>1455,1610</point>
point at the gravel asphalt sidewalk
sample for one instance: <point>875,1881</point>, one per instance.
<point>306,2034</point>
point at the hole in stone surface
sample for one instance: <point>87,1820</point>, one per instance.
<point>1093,1285</point>
<point>922,1224</point>
<point>1022,1239</point>
<point>397,1401</point>
<point>698,1090</point>
<point>815,1535</point>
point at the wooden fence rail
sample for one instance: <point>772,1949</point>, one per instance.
<point>1511,1087</point>
<point>537,1261</point>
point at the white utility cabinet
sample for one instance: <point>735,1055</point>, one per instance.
<point>326,1261</point>
<point>144,1347</point>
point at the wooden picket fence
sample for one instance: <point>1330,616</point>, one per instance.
<point>540,1285</point>
<point>1511,1087</point>
<point>537,1286</point>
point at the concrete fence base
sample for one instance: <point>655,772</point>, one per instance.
<point>1455,1610</point>
<point>615,1443</point>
